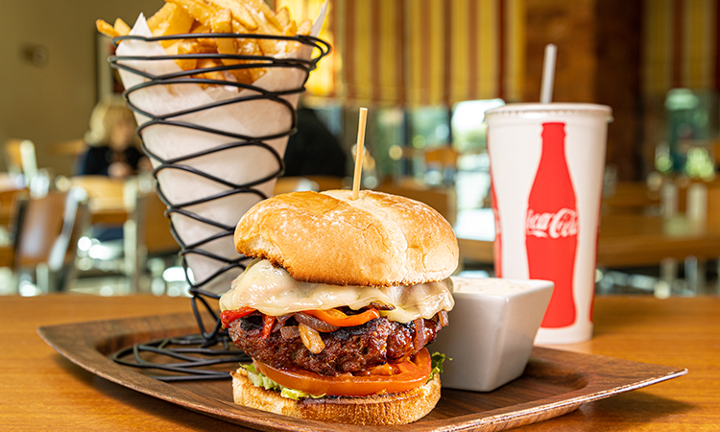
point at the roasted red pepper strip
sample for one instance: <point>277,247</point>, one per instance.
<point>338,318</point>
<point>229,316</point>
<point>268,322</point>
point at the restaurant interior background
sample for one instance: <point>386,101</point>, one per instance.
<point>428,70</point>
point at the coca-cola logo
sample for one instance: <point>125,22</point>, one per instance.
<point>562,223</point>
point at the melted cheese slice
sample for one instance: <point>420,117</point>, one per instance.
<point>272,291</point>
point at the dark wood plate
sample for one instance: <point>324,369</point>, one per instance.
<point>554,383</point>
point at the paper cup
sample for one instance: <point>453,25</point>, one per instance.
<point>546,165</point>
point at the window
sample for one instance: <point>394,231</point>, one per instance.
<point>472,182</point>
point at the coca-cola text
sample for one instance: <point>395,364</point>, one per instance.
<point>562,223</point>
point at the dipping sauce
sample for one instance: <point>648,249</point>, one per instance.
<point>493,287</point>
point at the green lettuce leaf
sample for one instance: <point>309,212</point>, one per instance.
<point>258,379</point>
<point>437,360</point>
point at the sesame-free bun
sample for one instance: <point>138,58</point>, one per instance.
<point>385,409</point>
<point>376,240</point>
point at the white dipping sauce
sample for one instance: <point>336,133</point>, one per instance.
<point>493,287</point>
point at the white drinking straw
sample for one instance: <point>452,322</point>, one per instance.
<point>548,76</point>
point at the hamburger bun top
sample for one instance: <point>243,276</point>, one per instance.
<point>376,240</point>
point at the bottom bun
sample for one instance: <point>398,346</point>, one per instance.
<point>385,409</point>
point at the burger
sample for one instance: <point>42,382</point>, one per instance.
<point>338,305</point>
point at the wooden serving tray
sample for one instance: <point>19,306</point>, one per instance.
<point>554,383</point>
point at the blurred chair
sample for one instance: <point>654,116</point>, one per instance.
<point>713,205</point>
<point>8,203</point>
<point>444,159</point>
<point>104,192</point>
<point>632,198</point>
<point>134,207</point>
<point>20,158</point>
<point>150,214</point>
<point>694,201</point>
<point>713,222</point>
<point>47,231</point>
<point>70,150</point>
<point>22,162</point>
<point>147,235</point>
<point>109,211</point>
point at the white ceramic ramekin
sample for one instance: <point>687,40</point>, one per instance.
<point>491,331</point>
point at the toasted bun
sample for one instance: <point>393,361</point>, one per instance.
<point>388,409</point>
<point>376,240</point>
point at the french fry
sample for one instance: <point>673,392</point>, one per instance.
<point>223,23</point>
<point>210,63</point>
<point>121,27</point>
<point>239,13</point>
<point>259,6</point>
<point>198,27</point>
<point>201,11</point>
<point>305,28</point>
<point>159,17</point>
<point>173,20</point>
<point>292,30</point>
<point>198,47</point>
<point>269,47</point>
<point>185,47</point>
<point>249,47</point>
<point>106,29</point>
<point>283,17</point>
<point>206,43</point>
<point>288,24</point>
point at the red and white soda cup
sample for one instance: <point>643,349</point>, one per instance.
<point>546,166</point>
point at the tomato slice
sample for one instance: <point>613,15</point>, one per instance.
<point>229,316</point>
<point>339,319</point>
<point>268,322</point>
<point>393,379</point>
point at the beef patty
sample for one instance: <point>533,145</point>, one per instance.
<point>349,349</point>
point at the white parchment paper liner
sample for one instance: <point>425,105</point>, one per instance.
<point>257,118</point>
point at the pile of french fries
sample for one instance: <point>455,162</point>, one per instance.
<point>219,16</point>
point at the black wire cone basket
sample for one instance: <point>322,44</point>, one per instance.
<point>200,356</point>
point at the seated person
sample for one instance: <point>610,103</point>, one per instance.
<point>112,152</point>
<point>112,141</point>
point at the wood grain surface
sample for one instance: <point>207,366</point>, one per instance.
<point>554,383</point>
<point>41,390</point>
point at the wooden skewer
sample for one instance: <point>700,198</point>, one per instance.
<point>359,153</point>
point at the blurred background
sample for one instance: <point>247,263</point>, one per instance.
<point>428,70</point>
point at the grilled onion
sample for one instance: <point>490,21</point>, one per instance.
<point>289,332</point>
<point>311,339</point>
<point>283,318</point>
<point>277,326</point>
<point>443,318</point>
<point>382,306</point>
<point>314,323</point>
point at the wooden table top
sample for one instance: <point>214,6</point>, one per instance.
<point>41,390</point>
<point>624,240</point>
